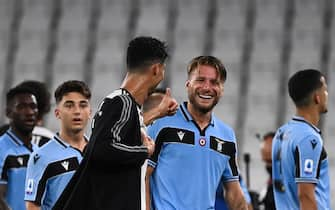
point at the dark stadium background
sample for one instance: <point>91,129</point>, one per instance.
<point>261,42</point>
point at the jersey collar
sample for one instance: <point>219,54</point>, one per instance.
<point>187,115</point>
<point>64,143</point>
<point>14,138</point>
<point>301,119</point>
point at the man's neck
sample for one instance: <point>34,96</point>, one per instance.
<point>136,85</point>
<point>202,119</point>
<point>76,140</point>
<point>310,115</point>
<point>25,138</point>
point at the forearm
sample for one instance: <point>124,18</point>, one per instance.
<point>307,201</point>
<point>151,115</point>
<point>306,194</point>
<point>234,196</point>
<point>3,204</point>
<point>32,206</point>
<point>237,204</point>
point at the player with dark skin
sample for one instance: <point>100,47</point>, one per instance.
<point>21,109</point>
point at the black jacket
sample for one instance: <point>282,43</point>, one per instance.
<point>109,177</point>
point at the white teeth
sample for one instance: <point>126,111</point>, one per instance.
<point>205,96</point>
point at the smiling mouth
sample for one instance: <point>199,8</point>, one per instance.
<point>205,96</point>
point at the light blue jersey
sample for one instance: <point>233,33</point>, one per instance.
<point>298,156</point>
<point>14,156</point>
<point>50,168</point>
<point>190,163</point>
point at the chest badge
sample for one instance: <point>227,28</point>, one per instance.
<point>202,142</point>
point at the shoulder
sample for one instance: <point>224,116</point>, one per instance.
<point>224,129</point>
<point>117,100</point>
<point>47,151</point>
<point>5,146</point>
<point>167,121</point>
<point>42,131</point>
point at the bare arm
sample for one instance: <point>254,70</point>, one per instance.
<point>167,107</point>
<point>306,196</point>
<point>32,206</point>
<point>150,170</point>
<point>234,196</point>
<point>3,203</point>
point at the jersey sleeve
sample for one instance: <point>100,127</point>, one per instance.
<point>34,185</point>
<point>3,168</point>
<point>231,172</point>
<point>153,133</point>
<point>111,130</point>
<point>308,154</point>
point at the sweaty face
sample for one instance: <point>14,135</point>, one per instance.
<point>73,111</point>
<point>323,93</point>
<point>204,88</point>
<point>23,113</point>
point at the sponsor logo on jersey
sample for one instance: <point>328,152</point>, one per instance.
<point>30,186</point>
<point>20,160</point>
<point>65,164</point>
<point>308,166</point>
<point>181,135</point>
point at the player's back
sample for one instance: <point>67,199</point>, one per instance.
<point>299,157</point>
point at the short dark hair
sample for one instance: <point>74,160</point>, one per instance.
<point>72,86</point>
<point>143,51</point>
<point>16,91</point>
<point>210,61</point>
<point>302,84</point>
<point>42,95</point>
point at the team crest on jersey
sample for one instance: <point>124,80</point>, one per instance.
<point>202,142</point>
<point>30,186</point>
<point>308,166</point>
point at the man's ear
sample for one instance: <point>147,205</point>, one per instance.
<point>155,68</point>
<point>187,83</point>
<point>8,112</point>
<point>57,113</point>
<point>316,97</point>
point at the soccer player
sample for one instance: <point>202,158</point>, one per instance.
<point>111,175</point>
<point>41,135</point>
<point>266,154</point>
<point>16,146</point>
<point>51,167</point>
<point>299,159</point>
<point>195,151</point>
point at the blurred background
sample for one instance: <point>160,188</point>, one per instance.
<point>261,42</point>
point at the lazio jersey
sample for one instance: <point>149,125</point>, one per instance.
<point>50,168</point>
<point>298,156</point>
<point>14,156</point>
<point>190,163</point>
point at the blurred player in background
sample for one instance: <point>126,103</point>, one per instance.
<point>16,146</point>
<point>299,159</point>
